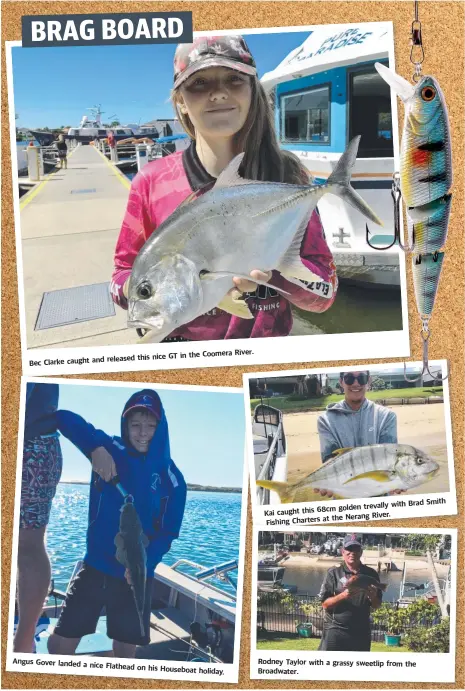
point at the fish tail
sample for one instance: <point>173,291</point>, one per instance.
<point>339,180</point>
<point>284,490</point>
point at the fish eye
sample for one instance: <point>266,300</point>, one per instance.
<point>420,461</point>
<point>428,93</point>
<point>144,291</point>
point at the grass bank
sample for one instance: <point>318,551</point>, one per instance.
<point>295,643</point>
<point>292,404</point>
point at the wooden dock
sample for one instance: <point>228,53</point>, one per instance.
<point>70,222</point>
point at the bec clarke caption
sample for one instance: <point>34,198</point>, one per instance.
<point>140,357</point>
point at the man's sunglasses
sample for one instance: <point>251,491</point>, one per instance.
<point>361,378</point>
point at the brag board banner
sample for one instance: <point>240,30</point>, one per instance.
<point>45,31</point>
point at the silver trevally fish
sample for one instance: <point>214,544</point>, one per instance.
<point>131,542</point>
<point>186,267</point>
<point>365,471</point>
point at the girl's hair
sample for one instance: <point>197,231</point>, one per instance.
<point>263,159</point>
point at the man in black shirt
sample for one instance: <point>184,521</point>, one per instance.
<point>347,611</point>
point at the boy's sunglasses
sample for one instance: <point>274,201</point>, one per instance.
<point>350,378</point>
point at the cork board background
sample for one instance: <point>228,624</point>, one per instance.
<point>443,36</point>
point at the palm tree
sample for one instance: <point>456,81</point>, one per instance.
<point>429,545</point>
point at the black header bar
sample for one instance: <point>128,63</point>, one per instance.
<point>44,31</point>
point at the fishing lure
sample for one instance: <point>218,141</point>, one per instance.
<point>424,184</point>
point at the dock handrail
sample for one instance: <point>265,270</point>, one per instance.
<point>263,494</point>
<point>221,571</point>
<point>203,573</point>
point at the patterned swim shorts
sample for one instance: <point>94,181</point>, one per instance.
<point>42,466</point>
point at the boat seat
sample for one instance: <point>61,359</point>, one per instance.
<point>168,622</point>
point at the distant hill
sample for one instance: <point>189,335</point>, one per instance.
<point>207,488</point>
<point>192,488</point>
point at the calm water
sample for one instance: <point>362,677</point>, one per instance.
<point>308,578</point>
<point>209,534</point>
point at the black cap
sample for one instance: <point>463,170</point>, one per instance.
<point>352,541</point>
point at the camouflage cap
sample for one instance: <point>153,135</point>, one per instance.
<point>212,51</point>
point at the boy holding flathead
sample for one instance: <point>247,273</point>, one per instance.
<point>144,467</point>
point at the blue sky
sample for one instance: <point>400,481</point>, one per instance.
<point>206,429</point>
<point>55,86</point>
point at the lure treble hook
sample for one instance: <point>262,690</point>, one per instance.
<point>425,365</point>
<point>396,195</point>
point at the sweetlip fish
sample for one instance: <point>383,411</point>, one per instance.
<point>131,543</point>
<point>361,581</point>
<point>365,471</point>
<point>186,268</point>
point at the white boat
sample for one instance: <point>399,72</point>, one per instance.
<point>192,619</point>
<point>92,129</point>
<point>325,92</point>
<point>270,577</point>
<point>270,451</point>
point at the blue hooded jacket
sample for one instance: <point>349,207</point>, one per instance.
<point>157,485</point>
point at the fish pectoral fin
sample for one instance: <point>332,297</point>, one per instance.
<point>144,539</point>
<point>238,308</point>
<point>214,275</point>
<point>376,475</point>
<point>119,541</point>
<point>283,489</point>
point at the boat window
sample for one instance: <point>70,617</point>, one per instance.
<point>305,116</point>
<point>370,113</point>
<point>102,133</point>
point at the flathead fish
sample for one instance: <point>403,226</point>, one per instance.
<point>186,267</point>
<point>130,543</point>
<point>365,471</point>
<point>361,581</point>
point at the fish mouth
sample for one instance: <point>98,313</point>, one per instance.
<point>154,324</point>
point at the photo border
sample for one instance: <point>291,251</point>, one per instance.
<point>395,513</point>
<point>230,671</point>
<point>220,353</point>
<point>429,667</point>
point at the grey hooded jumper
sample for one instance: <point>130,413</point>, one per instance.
<point>340,427</point>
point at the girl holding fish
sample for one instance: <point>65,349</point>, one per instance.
<point>224,109</point>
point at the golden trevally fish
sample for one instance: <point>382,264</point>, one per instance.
<point>366,471</point>
<point>186,267</point>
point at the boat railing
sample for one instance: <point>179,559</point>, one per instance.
<point>220,571</point>
<point>266,472</point>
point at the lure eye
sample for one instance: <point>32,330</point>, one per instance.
<point>428,93</point>
<point>144,291</point>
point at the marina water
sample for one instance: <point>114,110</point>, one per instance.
<point>209,534</point>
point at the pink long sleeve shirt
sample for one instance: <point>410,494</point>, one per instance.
<point>156,191</point>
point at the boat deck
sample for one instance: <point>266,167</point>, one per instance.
<point>169,638</point>
<point>179,601</point>
<point>70,222</point>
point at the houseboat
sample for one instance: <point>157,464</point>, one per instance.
<point>325,92</point>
